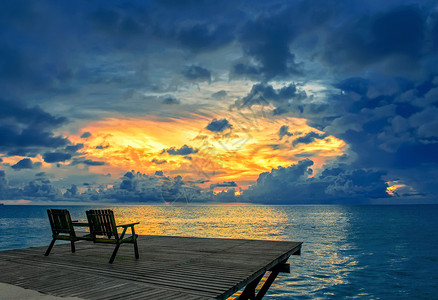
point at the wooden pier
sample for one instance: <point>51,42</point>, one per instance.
<point>168,268</point>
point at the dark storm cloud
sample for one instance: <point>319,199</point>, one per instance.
<point>170,100</point>
<point>223,184</point>
<point>196,73</point>
<point>219,95</point>
<point>339,184</point>
<point>25,163</point>
<point>393,128</point>
<point>85,135</point>
<point>39,189</point>
<point>267,39</point>
<point>219,125</point>
<point>15,136</point>
<point>205,37</point>
<point>158,161</point>
<point>284,131</point>
<point>23,129</point>
<point>308,138</point>
<point>400,34</point>
<point>54,157</point>
<point>110,22</point>
<point>285,99</point>
<point>356,84</point>
<point>87,162</point>
<point>72,191</point>
<point>74,148</point>
<point>184,150</point>
<point>26,71</point>
<point>24,43</point>
<point>34,116</point>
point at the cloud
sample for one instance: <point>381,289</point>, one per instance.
<point>334,185</point>
<point>204,37</point>
<point>286,98</point>
<point>22,127</point>
<point>110,22</point>
<point>39,189</point>
<point>218,125</point>
<point>308,138</point>
<point>197,73</point>
<point>223,184</point>
<point>219,95</point>
<point>159,162</point>
<point>87,162</point>
<point>284,130</point>
<point>170,100</point>
<point>74,148</point>
<point>184,150</point>
<point>54,157</point>
<point>129,175</point>
<point>355,84</point>
<point>266,40</point>
<point>25,163</point>
<point>398,33</point>
<point>85,135</point>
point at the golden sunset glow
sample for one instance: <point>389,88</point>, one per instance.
<point>239,153</point>
<point>392,190</point>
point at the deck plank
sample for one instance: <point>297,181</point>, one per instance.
<point>169,268</point>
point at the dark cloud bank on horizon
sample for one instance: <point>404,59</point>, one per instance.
<point>381,61</point>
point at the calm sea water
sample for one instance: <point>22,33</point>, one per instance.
<point>349,252</point>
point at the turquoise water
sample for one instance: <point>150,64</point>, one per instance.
<point>349,252</point>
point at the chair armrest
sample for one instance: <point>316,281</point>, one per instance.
<point>127,225</point>
<point>77,223</point>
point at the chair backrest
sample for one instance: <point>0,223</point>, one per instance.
<point>60,221</point>
<point>102,222</point>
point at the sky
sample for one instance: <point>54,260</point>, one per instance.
<point>270,102</point>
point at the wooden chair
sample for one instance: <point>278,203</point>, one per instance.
<point>103,229</point>
<point>63,228</point>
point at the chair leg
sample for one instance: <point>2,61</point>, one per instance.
<point>136,249</point>
<point>72,243</point>
<point>50,247</point>
<point>114,254</point>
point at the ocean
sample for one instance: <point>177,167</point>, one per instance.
<point>349,252</point>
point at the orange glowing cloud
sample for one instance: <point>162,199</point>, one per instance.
<point>392,189</point>
<point>238,153</point>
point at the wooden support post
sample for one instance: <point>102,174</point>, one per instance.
<point>280,268</point>
<point>249,291</point>
<point>267,284</point>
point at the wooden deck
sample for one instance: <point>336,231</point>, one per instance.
<point>168,268</point>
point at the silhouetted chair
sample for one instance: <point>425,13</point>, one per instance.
<point>63,228</point>
<point>103,229</point>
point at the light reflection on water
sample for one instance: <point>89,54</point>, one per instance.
<point>351,252</point>
<point>251,222</point>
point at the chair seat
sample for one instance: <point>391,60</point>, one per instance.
<point>115,241</point>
